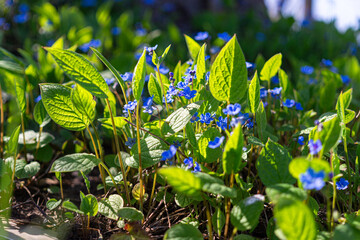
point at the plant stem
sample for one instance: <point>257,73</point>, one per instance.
<point>228,205</point>
<point>349,173</point>
<point>139,151</point>
<point>97,156</point>
<point>23,132</point>
<point>208,215</point>
<point>118,152</point>
<point>153,187</point>
<point>111,176</point>
<point>38,143</point>
<point>162,89</point>
<point>334,190</point>
<point>2,125</point>
<point>61,187</point>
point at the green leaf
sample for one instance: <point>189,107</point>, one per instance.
<point>12,145</point>
<point>25,170</point>
<point>271,67</point>
<point>200,68</point>
<point>165,53</point>
<point>182,181</point>
<point>329,135</point>
<point>182,200</point>
<point>131,214</point>
<point>72,207</point>
<point>40,114</point>
<point>295,220</point>
<point>193,47</point>
<point>301,164</point>
<point>233,151</point>
<point>245,215</point>
<point>178,119</point>
<point>20,89</point>
<point>284,80</point>
<point>282,190</point>
<point>349,116</point>
<point>261,121</point>
<point>151,150</point>
<point>57,102</point>
<point>183,232</point>
<point>228,74</point>
<point>75,162</point>
<point>346,231</point>
<point>218,221</point>
<point>254,93</point>
<point>190,135</point>
<point>32,138</point>
<point>11,67</point>
<point>81,71</point>
<point>154,88</point>
<point>119,123</point>
<point>53,203</point>
<point>139,77</point>
<point>347,97</point>
<point>209,155</point>
<point>215,185</point>
<point>89,205</point>
<point>273,164</point>
<point>110,67</point>
<point>255,141</point>
<point>84,102</point>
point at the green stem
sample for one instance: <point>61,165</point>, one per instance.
<point>228,206</point>
<point>139,151</point>
<point>23,132</point>
<point>208,215</point>
<point>162,89</point>
<point>349,173</point>
<point>334,191</point>
<point>38,143</point>
<point>118,152</point>
<point>2,125</point>
<point>111,176</point>
<point>153,187</point>
<point>61,187</point>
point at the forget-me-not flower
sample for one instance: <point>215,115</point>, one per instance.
<point>232,109</point>
<point>342,184</point>
<point>315,147</point>
<point>169,154</point>
<point>289,103</point>
<point>206,118</point>
<point>187,93</point>
<point>307,70</point>
<point>216,143</point>
<point>130,106</point>
<point>224,36</point>
<point>222,123</point>
<point>194,118</point>
<point>312,180</point>
<point>300,140</point>
<point>200,36</point>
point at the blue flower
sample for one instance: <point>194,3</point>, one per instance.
<point>308,70</point>
<point>275,79</point>
<point>187,93</point>
<point>9,3</point>
<point>177,144</point>
<point>150,50</point>
<point>222,123</point>
<point>24,8</point>
<point>207,76</point>
<point>249,123</point>
<point>300,140</point>
<point>261,37</point>
<point>163,69</point>
<point>88,3</point>
<point>189,163</point>
<point>115,31</point>
<point>263,93</point>
<point>342,184</point>
<point>242,119</point>
<point>289,103</point>
<point>298,106</point>
<point>197,168</point>
<point>312,81</point>
<point>148,108</point>
<point>216,143</point>
<point>169,154</point>
<point>128,76</point>
<point>200,36</point>
<point>206,118</point>
<point>232,109</point>
<point>276,92</point>
<point>37,99</point>
<point>214,49</point>
<point>194,118</point>
<point>315,147</point>
<point>130,142</point>
<point>95,43</point>
<point>312,180</point>
<point>140,31</point>
<point>224,36</point>
<point>21,18</point>
<point>326,62</point>
<point>249,65</point>
<point>109,81</point>
<point>172,91</point>
<point>345,79</point>
<point>130,106</point>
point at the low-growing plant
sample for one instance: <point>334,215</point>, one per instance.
<point>235,145</point>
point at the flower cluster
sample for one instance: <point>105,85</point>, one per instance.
<point>189,163</point>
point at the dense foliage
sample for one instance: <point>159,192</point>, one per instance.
<point>211,147</point>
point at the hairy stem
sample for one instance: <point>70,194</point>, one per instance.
<point>139,151</point>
